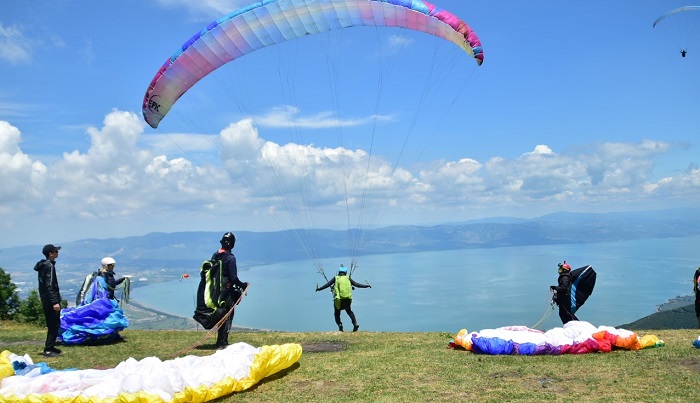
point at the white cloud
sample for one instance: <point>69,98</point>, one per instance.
<point>22,178</point>
<point>288,116</point>
<point>139,183</point>
<point>14,46</point>
<point>207,8</point>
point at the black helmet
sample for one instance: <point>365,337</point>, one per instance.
<point>228,240</point>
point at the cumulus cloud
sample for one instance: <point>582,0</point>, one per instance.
<point>22,178</point>
<point>154,182</point>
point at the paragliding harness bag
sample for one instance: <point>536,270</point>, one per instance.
<point>342,289</point>
<point>213,298</point>
<point>582,283</point>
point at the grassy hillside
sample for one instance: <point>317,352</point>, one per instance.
<point>678,318</point>
<point>410,367</point>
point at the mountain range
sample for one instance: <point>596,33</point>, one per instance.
<point>165,256</point>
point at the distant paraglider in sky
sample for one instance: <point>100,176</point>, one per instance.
<point>683,27</point>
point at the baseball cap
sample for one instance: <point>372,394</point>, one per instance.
<point>50,248</point>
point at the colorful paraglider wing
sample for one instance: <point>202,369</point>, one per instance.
<point>99,321</point>
<point>266,23</point>
<point>675,11</point>
<point>184,379</point>
<point>96,319</point>
<point>575,337</point>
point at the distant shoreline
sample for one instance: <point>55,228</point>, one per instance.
<point>142,317</point>
<point>676,302</point>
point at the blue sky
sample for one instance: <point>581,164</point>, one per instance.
<point>580,106</point>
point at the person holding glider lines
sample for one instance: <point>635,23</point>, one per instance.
<point>562,293</point>
<point>683,52</point>
<point>572,290</point>
<point>342,296</point>
<point>234,286</point>
<point>107,271</point>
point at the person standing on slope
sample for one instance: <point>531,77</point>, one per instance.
<point>50,297</point>
<point>696,279</point>
<point>234,286</point>
<point>342,296</point>
<point>562,293</point>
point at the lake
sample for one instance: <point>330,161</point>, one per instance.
<point>451,290</point>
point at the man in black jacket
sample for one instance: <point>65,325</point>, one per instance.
<point>234,286</point>
<point>50,297</point>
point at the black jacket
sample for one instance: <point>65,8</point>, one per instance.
<point>229,267</point>
<point>48,283</point>
<point>563,289</point>
<point>111,282</point>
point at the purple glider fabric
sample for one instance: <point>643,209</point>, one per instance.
<point>97,319</point>
<point>269,22</point>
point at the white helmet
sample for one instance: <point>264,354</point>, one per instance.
<point>108,260</point>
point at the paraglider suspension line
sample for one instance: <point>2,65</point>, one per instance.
<point>548,311</point>
<point>214,329</point>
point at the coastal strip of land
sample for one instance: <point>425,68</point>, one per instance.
<point>142,317</point>
<point>675,313</point>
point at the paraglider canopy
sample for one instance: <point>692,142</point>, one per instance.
<point>675,11</point>
<point>185,275</point>
<point>267,23</point>
<point>681,27</point>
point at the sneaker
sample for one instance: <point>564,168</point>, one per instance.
<point>220,347</point>
<point>340,328</point>
<point>50,354</point>
<point>55,350</point>
<point>355,327</point>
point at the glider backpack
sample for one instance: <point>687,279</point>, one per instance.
<point>342,289</point>
<point>695,283</point>
<point>582,283</point>
<point>212,301</point>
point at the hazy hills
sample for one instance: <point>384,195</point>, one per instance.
<point>167,255</point>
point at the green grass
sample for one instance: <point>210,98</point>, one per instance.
<point>410,367</point>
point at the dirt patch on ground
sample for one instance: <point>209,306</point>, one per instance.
<point>692,364</point>
<point>323,347</point>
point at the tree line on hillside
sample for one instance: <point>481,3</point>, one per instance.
<point>13,308</point>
